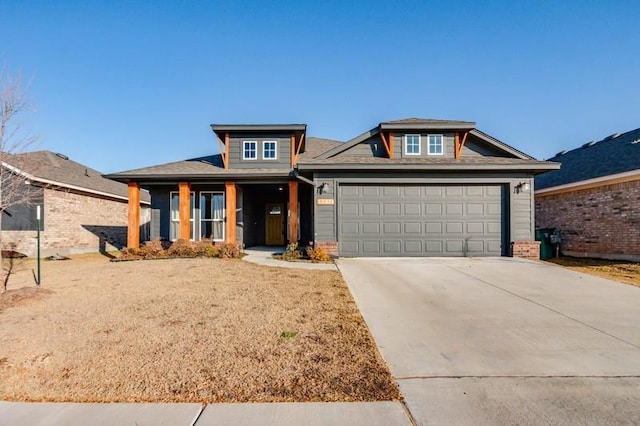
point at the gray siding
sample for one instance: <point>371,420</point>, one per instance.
<point>522,212</point>
<point>325,215</point>
<point>474,147</point>
<point>371,147</point>
<point>235,152</point>
<point>160,212</point>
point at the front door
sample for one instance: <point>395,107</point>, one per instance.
<point>274,224</point>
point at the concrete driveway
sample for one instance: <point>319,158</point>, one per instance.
<point>502,340</point>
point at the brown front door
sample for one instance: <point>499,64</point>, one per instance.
<point>274,224</point>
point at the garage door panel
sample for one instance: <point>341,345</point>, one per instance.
<point>371,247</point>
<point>370,209</point>
<point>392,247</point>
<point>392,209</point>
<point>454,246</point>
<point>371,228</point>
<point>434,247</point>
<point>413,247</point>
<point>412,209</point>
<point>349,228</point>
<point>420,220</point>
<point>454,209</point>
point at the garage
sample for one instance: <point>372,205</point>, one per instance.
<point>421,220</point>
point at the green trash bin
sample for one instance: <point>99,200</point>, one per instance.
<point>546,248</point>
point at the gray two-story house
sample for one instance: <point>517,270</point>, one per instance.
<point>413,187</point>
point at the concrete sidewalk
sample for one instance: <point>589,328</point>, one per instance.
<point>312,413</point>
<point>263,256</point>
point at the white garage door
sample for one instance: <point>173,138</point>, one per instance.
<point>420,220</point>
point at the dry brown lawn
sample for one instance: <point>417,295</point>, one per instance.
<point>626,272</point>
<point>205,330</point>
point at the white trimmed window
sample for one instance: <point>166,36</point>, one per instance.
<point>212,216</point>
<point>249,150</point>
<point>174,226</point>
<point>435,145</point>
<point>270,150</point>
<point>412,144</point>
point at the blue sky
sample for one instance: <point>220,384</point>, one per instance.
<point>122,84</point>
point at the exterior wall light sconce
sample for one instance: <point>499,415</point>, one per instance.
<point>523,187</point>
<point>324,187</point>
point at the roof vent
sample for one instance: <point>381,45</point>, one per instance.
<point>563,152</point>
<point>611,136</point>
<point>588,144</point>
<point>64,157</point>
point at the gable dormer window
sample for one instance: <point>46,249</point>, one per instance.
<point>249,150</point>
<point>412,144</point>
<point>435,145</point>
<point>270,150</point>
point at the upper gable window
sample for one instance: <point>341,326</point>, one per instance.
<point>270,150</point>
<point>412,144</point>
<point>249,150</point>
<point>435,145</point>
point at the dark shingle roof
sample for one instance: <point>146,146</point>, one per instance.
<point>317,146</point>
<point>58,169</point>
<point>427,123</point>
<point>609,156</point>
<point>212,165</point>
<point>431,162</point>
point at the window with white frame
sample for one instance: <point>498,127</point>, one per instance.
<point>249,150</point>
<point>270,150</point>
<point>435,145</point>
<point>412,144</point>
<point>212,216</point>
<point>174,226</point>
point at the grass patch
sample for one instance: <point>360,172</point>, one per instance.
<point>186,330</point>
<point>626,272</point>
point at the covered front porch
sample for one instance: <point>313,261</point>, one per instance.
<point>246,213</point>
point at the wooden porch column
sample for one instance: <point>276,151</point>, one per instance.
<point>230,202</point>
<point>293,211</point>
<point>185,210</point>
<point>133,228</point>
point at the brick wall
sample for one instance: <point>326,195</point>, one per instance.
<point>74,223</point>
<point>597,222</point>
<point>330,246</point>
<point>526,249</point>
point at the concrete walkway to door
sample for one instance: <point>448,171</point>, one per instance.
<point>502,340</point>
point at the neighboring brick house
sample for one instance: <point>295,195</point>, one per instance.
<point>81,211</point>
<point>411,187</point>
<point>594,199</point>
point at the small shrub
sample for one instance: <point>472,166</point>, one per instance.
<point>153,249</point>
<point>130,253</point>
<point>181,248</point>
<point>206,249</point>
<point>292,252</point>
<point>288,335</point>
<point>230,251</point>
<point>318,254</point>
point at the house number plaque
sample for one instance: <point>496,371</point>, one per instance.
<point>325,201</point>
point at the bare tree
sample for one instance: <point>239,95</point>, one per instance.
<point>14,140</point>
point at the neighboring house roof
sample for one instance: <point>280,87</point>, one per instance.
<point>56,169</point>
<point>612,155</point>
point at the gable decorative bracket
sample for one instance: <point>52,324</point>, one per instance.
<point>296,147</point>
<point>459,143</point>
<point>224,149</point>
<point>387,143</point>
